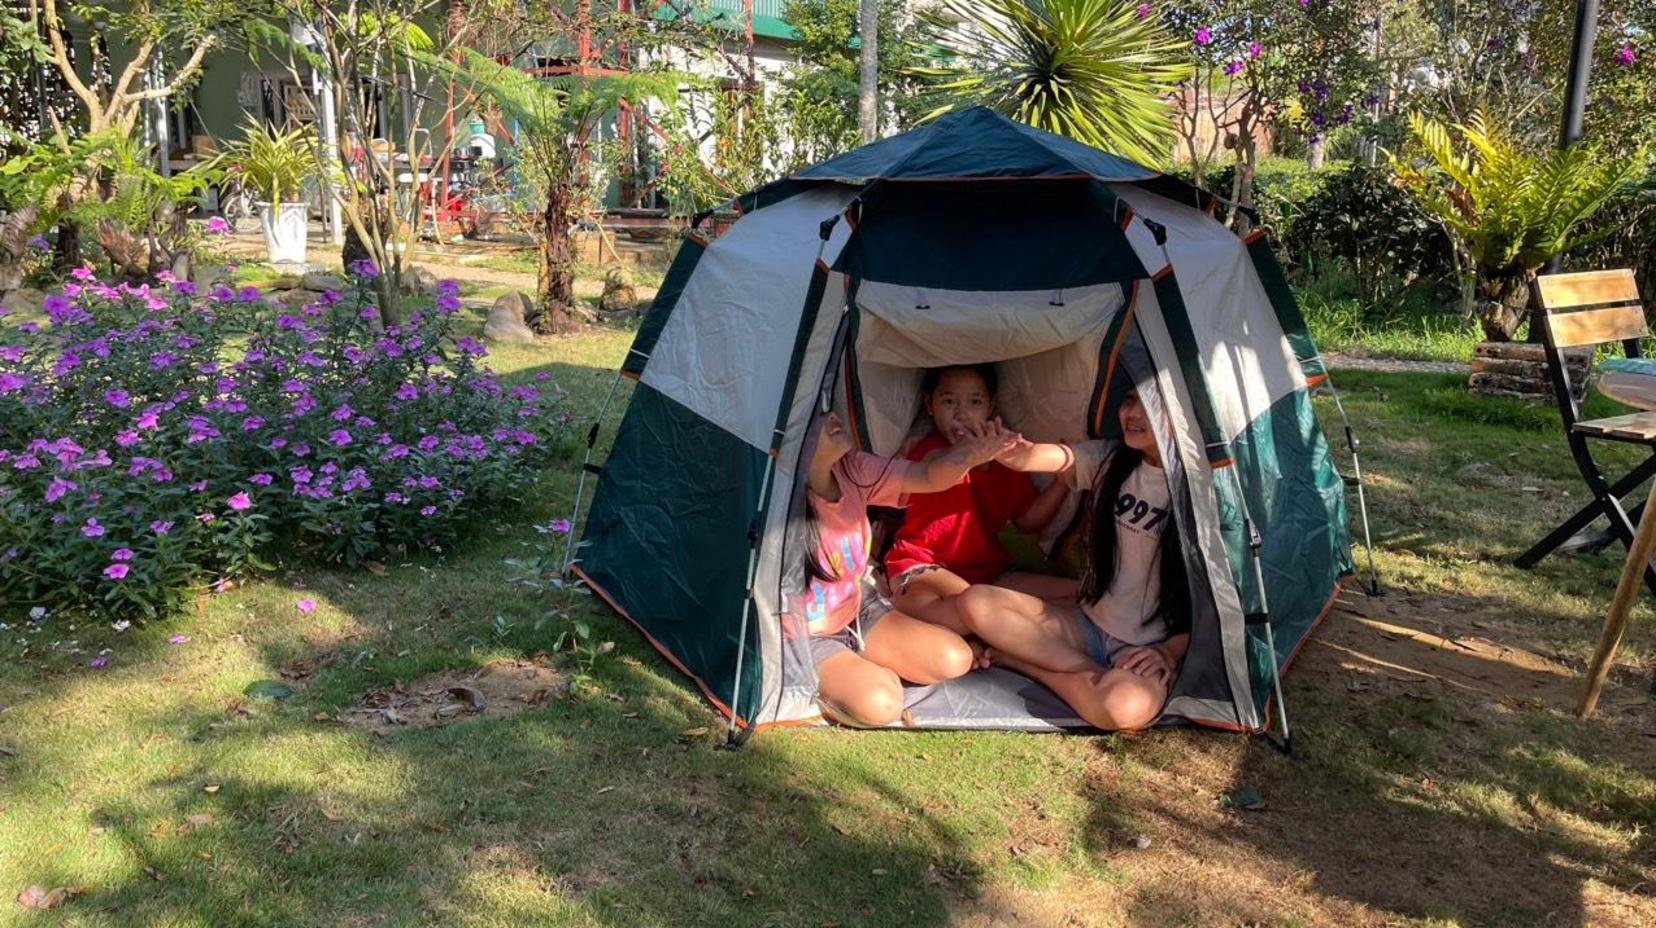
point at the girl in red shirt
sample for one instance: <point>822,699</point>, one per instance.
<point>950,539</point>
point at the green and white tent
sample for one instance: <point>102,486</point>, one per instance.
<point>972,239</point>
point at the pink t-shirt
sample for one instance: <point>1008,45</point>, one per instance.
<point>864,480</point>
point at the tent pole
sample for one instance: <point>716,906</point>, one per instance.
<point>1255,542</point>
<point>732,737</point>
<point>586,467</point>
<point>1357,477</point>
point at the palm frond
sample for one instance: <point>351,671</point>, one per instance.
<point>1092,70</point>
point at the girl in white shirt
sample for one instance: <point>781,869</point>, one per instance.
<point>1113,656</point>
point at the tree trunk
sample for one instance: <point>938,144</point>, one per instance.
<point>1506,299</point>
<point>868,93</point>
<point>66,254</point>
<point>556,278</point>
<point>1318,151</point>
<point>1248,156</point>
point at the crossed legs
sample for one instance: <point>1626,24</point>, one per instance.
<point>1041,640</point>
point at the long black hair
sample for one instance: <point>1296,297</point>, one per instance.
<point>812,549</point>
<point>1099,570</point>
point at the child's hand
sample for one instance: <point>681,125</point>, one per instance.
<point>1150,662</point>
<point>1016,456</point>
<point>990,441</point>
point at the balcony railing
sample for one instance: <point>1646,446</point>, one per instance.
<point>760,7</point>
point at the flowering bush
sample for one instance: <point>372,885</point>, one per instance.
<point>153,438</point>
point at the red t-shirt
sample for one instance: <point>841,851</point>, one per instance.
<point>959,528</point>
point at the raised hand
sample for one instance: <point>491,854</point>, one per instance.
<point>990,441</point>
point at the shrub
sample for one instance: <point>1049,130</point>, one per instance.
<point>1377,231</point>
<point>153,439</point>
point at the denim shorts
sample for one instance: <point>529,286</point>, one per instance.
<point>874,608</point>
<point>1101,646</point>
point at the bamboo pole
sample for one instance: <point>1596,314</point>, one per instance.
<point>1621,607</point>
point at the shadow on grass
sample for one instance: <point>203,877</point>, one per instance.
<point>1436,782</point>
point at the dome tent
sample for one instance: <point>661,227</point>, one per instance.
<point>971,239</point>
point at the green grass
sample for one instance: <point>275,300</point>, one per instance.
<point>1419,324</point>
<point>170,799</point>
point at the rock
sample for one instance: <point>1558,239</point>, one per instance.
<point>506,319</point>
<point>320,282</point>
<point>418,280</point>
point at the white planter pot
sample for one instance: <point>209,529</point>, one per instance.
<point>285,226</point>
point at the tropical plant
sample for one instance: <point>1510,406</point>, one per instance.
<point>557,118</point>
<point>1097,71</point>
<point>346,49</point>
<point>819,95</point>
<point>1508,209</point>
<point>271,163</point>
<point>106,182</point>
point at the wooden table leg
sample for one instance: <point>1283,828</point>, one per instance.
<point>1627,589</point>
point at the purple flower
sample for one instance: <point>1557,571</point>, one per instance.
<point>92,529</point>
<point>340,437</point>
<point>240,502</point>
<point>101,661</point>
<point>428,510</point>
<point>1624,57</point>
<point>1254,49</point>
<point>178,639</point>
<point>122,554</point>
<point>218,226</point>
<point>117,571</point>
<point>342,414</point>
<point>364,269</point>
<point>559,526</point>
<point>1143,10</point>
<point>160,527</point>
<point>126,438</point>
<point>306,605</point>
<point>1203,35</point>
<point>261,480</point>
<point>39,243</point>
<point>148,420</point>
<point>10,382</point>
<point>58,488</point>
<point>82,274</point>
<point>118,398</point>
<point>1234,67</point>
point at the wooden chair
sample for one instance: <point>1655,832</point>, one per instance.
<point>1590,309</point>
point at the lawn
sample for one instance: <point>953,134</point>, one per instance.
<point>1438,778</point>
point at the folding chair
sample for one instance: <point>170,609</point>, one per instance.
<point>1591,309</point>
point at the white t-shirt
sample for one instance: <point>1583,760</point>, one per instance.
<point>1128,611</point>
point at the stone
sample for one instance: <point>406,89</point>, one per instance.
<point>418,280</point>
<point>506,319</point>
<point>320,282</point>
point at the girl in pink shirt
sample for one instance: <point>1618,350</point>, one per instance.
<point>862,648</point>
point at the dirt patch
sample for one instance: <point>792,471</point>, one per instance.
<point>498,689</point>
<point>1414,644</point>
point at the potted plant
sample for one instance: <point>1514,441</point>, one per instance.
<point>1509,211</point>
<point>274,165</point>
